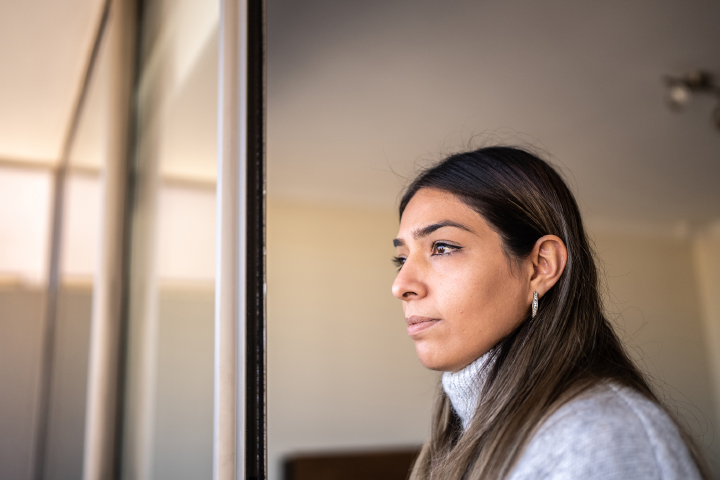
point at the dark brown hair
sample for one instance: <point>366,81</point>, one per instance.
<point>569,347</point>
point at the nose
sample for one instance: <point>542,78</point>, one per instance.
<point>409,282</point>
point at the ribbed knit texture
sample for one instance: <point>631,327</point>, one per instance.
<point>463,387</point>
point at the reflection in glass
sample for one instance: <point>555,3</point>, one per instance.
<point>167,430</point>
<point>26,208</point>
<point>24,236</point>
<point>78,267</point>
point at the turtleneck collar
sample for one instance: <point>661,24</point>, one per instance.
<point>463,387</point>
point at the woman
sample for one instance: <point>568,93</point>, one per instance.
<point>500,291</point>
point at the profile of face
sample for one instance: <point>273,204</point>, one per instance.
<point>461,293</point>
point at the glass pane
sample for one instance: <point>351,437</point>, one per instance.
<point>80,243</point>
<point>169,384</point>
<point>26,205</point>
<point>24,236</point>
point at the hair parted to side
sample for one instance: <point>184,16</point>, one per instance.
<point>567,348</point>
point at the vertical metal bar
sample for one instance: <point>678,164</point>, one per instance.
<point>53,290</point>
<point>101,419</point>
<point>136,427</point>
<point>230,304</point>
<point>255,426</point>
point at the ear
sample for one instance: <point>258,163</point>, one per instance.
<point>548,258</point>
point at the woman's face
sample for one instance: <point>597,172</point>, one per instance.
<point>459,294</point>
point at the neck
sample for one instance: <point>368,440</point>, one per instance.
<point>463,387</point>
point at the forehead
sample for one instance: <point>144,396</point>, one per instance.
<point>430,206</point>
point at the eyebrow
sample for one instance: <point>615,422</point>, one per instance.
<point>427,230</point>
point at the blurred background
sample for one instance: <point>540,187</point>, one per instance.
<point>359,96</point>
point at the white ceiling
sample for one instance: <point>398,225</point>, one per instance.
<point>357,90</point>
<point>359,93</point>
<point>44,47</point>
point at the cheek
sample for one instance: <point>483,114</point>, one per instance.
<point>462,302</point>
<point>479,299</point>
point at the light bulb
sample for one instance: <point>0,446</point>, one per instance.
<point>679,96</point>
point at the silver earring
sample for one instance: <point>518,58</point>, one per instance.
<point>534,304</point>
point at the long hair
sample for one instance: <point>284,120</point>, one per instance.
<point>568,347</point>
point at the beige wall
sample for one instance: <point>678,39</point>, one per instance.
<point>341,371</point>
<point>21,313</point>
<point>343,374</point>
<point>654,298</point>
<point>182,441</point>
<point>183,416</point>
<point>707,268</point>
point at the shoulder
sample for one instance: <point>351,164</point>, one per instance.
<point>608,432</point>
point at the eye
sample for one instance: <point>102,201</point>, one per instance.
<point>398,261</point>
<point>440,248</point>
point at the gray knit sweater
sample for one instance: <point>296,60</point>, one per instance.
<point>609,432</point>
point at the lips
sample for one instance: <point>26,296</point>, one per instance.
<point>417,324</point>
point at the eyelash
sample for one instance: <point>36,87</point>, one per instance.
<point>399,261</point>
<point>437,245</point>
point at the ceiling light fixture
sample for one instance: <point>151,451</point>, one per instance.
<point>682,89</point>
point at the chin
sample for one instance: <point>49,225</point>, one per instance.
<point>431,360</point>
<point>434,357</point>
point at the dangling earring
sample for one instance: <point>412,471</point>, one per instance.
<point>534,304</point>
